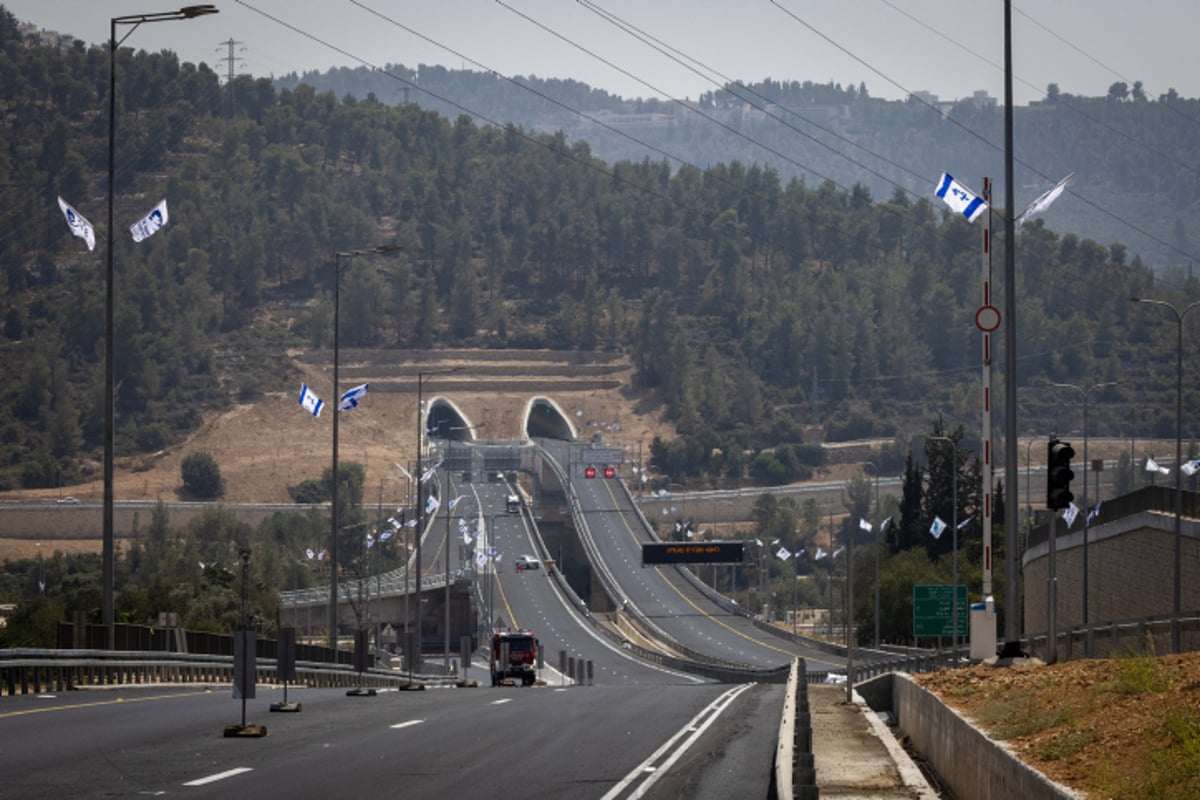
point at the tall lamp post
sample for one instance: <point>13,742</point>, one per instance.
<point>421,376</point>
<point>107,567</point>
<point>954,534</point>
<point>1179,315</point>
<point>337,399</point>
<point>1085,392</point>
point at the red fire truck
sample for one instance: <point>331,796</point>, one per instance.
<point>514,655</point>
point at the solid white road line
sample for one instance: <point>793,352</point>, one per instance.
<point>408,724</point>
<point>220,776</point>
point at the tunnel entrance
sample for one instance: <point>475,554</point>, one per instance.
<point>545,420</point>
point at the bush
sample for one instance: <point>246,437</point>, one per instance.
<point>201,476</point>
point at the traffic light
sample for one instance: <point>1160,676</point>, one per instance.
<point>1059,474</point>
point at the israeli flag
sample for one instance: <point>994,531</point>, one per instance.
<point>309,401</point>
<point>1190,468</point>
<point>1152,466</point>
<point>783,554</point>
<point>309,552</point>
<point>149,225</point>
<point>350,399</point>
<point>937,528</point>
<point>383,537</point>
<point>454,502</point>
<point>866,526</point>
<point>1070,513</point>
<point>883,526</point>
<point>432,504</point>
<point>78,224</point>
<point>966,522</point>
<point>960,198</point>
<point>1091,515</point>
<point>1043,202</point>
<point>820,554</point>
<point>838,552</point>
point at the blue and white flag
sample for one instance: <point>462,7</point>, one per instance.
<point>1070,513</point>
<point>350,399</point>
<point>370,540</point>
<point>431,504</point>
<point>837,552</point>
<point>937,528</point>
<point>1043,202</point>
<point>820,554</point>
<point>309,401</point>
<point>866,526</point>
<point>309,552</point>
<point>454,502</point>
<point>383,537</point>
<point>966,522</point>
<point>1190,468</point>
<point>1093,513</point>
<point>783,554</point>
<point>960,198</point>
<point>148,225</point>
<point>78,224</point>
<point>1152,466</point>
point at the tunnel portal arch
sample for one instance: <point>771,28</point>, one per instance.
<point>545,420</point>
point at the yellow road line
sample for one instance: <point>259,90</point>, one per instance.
<point>512,620</point>
<point>113,701</point>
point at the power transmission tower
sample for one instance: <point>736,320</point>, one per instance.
<point>231,61</point>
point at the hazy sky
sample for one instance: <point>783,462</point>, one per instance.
<point>948,47</point>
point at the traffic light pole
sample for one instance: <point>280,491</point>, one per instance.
<point>1058,497</point>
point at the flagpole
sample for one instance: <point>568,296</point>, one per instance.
<point>954,539</point>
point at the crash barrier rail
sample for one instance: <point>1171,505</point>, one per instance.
<point>795,774</point>
<point>1144,635</point>
<point>32,671</point>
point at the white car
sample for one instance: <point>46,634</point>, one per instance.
<point>527,562</point>
<point>67,501</point>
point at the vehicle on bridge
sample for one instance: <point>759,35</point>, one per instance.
<point>527,562</point>
<point>512,504</point>
<point>514,656</point>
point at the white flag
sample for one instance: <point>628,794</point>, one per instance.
<point>1190,468</point>
<point>800,552</point>
<point>309,401</point>
<point>820,554</point>
<point>466,536</point>
<point>148,225</point>
<point>350,399</point>
<point>937,528</point>
<point>966,522</point>
<point>454,502</point>
<point>1043,202</point>
<point>78,224</point>
<point>370,540</point>
<point>960,198</point>
<point>866,526</point>
<point>883,526</point>
<point>837,552</point>
<point>309,552</point>
<point>480,557</point>
<point>1070,513</point>
<point>321,555</point>
<point>1152,466</point>
<point>431,504</point>
<point>783,554</point>
<point>758,542</point>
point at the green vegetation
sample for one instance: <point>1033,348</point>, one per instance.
<point>1139,674</point>
<point>202,476</point>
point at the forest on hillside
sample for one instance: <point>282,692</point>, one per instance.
<point>754,305</point>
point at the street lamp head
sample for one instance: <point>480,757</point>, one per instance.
<point>190,12</point>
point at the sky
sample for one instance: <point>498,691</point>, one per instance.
<point>950,48</point>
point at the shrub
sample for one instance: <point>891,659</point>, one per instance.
<point>201,476</point>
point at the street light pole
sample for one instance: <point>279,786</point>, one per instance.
<point>337,408</point>
<point>1179,315</point>
<point>107,554</point>
<point>1085,393</point>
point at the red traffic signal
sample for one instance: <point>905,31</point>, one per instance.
<point>609,472</point>
<point>590,472</point>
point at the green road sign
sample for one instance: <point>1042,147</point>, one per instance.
<point>933,610</point>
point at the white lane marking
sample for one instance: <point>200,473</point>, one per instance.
<point>410,723</point>
<point>694,726</point>
<point>220,776</point>
<point>502,702</point>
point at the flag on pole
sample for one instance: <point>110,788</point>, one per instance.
<point>454,502</point>
<point>937,528</point>
<point>149,225</point>
<point>883,526</point>
<point>321,555</point>
<point>758,542</point>
<point>1152,466</point>
<point>866,526</point>
<point>960,198</point>
<point>1092,514</point>
<point>309,401</point>
<point>78,224</point>
<point>350,399</point>
<point>783,554</point>
<point>383,537</point>
<point>309,552</point>
<point>837,552</point>
<point>431,504</point>
<point>966,522</point>
<point>370,540</point>
<point>1190,468</point>
<point>1070,513</point>
<point>1044,201</point>
<point>820,554</point>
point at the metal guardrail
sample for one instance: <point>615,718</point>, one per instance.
<point>31,671</point>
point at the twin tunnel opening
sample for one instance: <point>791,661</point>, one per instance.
<point>543,419</point>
